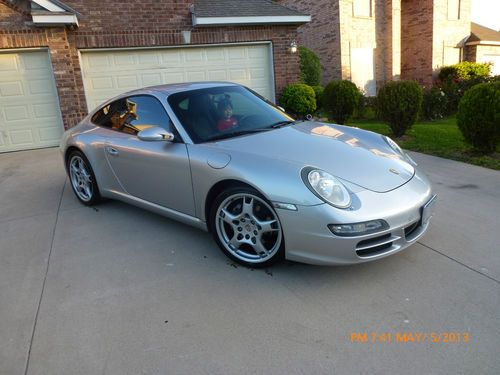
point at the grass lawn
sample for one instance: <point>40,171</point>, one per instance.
<point>440,138</point>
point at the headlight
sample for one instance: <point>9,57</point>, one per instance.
<point>358,229</point>
<point>399,150</point>
<point>326,187</point>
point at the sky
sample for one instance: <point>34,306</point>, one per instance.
<point>486,13</point>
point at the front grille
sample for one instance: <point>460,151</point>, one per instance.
<point>375,246</point>
<point>411,228</point>
<point>374,250</point>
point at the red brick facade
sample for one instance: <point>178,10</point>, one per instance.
<point>115,24</point>
<point>411,39</point>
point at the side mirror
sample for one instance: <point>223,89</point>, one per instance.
<point>155,133</point>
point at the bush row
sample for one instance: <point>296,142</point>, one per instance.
<point>466,87</point>
<point>399,103</point>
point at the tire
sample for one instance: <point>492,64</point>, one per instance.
<point>246,227</point>
<point>82,179</point>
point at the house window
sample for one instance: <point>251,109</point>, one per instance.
<point>453,10</point>
<point>363,70</point>
<point>362,8</point>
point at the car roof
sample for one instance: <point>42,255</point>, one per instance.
<point>179,87</point>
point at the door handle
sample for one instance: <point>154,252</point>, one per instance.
<point>112,151</point>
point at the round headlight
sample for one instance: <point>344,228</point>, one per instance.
<point>328,188</point>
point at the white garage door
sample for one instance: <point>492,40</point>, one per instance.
<point>495,59</point>
<point>109,73</point>
<point>29,107</point>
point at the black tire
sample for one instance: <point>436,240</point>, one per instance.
<point>92,196</point>
<point>259,246</point>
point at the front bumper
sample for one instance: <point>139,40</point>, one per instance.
<point>309,240</point>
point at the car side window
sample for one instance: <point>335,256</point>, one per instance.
<point>133,114</point>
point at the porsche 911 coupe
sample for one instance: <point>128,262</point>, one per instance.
<point>220,157</point>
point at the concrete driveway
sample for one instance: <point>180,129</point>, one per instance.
<point>117,290</point>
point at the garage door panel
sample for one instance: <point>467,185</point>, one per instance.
<point>41,86</point>
<point>217,75</point>
<point>196,76</point>
<point>29,108</point>
<point>11,89</point>
<point>48,134</point>
<point>171,57</point>
<point>195,56</point>
<point>8,63</point>
<point>45,111</point>
<point>151,79</point>
<point>109,73</point>
<point>216,55</point>
<point>127,82</point>
<point>237,53</point>
<point>20,137</point>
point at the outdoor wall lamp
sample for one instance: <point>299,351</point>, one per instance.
<point>293,46</point>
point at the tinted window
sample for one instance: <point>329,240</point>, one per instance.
<point>205,113</point>
<point>133,114</point>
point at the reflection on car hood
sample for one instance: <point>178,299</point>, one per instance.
<point>352,154</point>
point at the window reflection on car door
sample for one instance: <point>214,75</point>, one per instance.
<point>157,172</point>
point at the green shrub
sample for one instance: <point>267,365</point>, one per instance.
<point>340,99</point>
<point>399,103</point>
<point>367,108</point>
<point>310,67</point>
<point>465,70</point>
<point>299,99</point>
<point>318,92</point>
<point>455,80</point>
<point>478,116</point>
<point>435,104</point>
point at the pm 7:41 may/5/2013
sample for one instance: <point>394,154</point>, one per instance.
<point>409,337</point>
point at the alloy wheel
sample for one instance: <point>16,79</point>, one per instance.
<point>248,228</point>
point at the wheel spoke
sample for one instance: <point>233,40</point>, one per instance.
<point>235,242</point>
<point>247,206</point>
<point>74,168</point>
<point>228,217</point>
<point>260,249</point>
<point>267,226</point>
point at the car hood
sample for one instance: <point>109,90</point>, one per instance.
<point>358,156</point>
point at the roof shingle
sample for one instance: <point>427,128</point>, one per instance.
<point>481,33</point>
<point>241,8</point>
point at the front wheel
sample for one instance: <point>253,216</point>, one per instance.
<point>82,179</point>
<point>246,227</point>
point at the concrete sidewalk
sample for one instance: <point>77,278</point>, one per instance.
<point>118,290</point>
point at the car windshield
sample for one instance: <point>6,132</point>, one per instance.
<point>225,112</point>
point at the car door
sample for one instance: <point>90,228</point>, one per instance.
<point>157,171</point>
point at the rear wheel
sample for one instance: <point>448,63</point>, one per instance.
<point>82,179</point>
<point>246,227</point>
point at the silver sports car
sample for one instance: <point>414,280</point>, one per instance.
<point>220,157</point>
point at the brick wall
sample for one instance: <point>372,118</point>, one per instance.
<point>146,23</point>
<point>322,34</point>
<point>417,40</point>
<point>430,39</point>
<point>334,30</point>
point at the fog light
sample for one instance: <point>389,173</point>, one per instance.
<point>358,229</point>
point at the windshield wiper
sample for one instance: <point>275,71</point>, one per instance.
<point>235,134</point>
<point>280,124</point>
